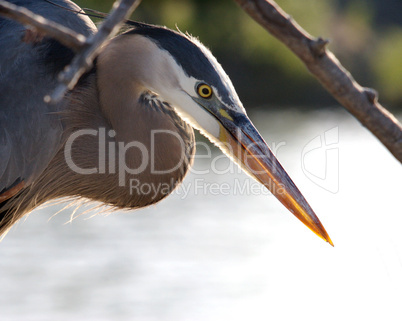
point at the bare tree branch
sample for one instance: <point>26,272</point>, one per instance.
<point>359,101</point>
<point>87,48</point>
<point>82,62</point>
<point>52,29</point>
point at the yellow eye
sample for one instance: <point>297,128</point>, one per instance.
<point>204,91</point>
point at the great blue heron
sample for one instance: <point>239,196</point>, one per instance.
<point>101,136</point>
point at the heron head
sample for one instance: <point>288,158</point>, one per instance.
<point>185,74</point>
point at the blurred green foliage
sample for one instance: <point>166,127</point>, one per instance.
<point>366,36</point>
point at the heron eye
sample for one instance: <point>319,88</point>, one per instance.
<point>204,90</point>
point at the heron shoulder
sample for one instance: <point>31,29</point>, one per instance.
<point>30,132</point>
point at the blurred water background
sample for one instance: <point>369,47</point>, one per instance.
<point>366,35</point>
<point>217,254</point>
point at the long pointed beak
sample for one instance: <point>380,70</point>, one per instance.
<point>245,144</point>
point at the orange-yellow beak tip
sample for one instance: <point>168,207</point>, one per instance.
<point>321,233</point>
<point>251,151</point>
<point>330,241</point>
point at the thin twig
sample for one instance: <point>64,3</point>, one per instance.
<point>359,101</point>
<point>82,62</point>
<point>52,29</point>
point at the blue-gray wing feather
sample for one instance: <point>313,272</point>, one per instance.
<point>30,129</point>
